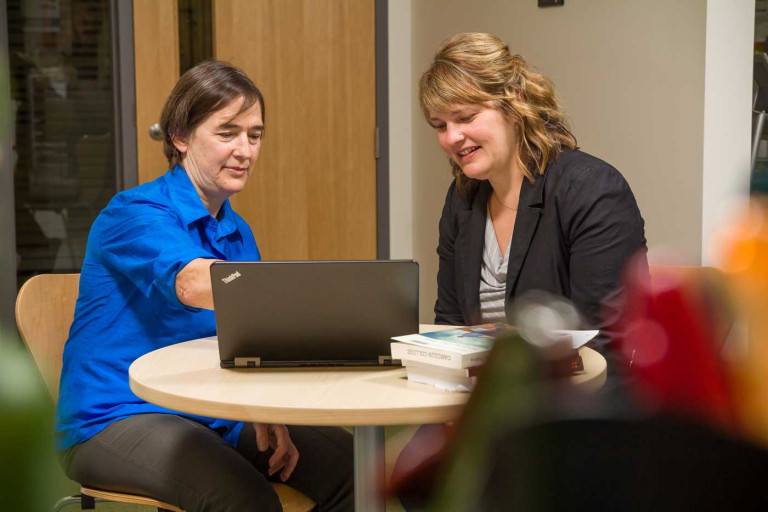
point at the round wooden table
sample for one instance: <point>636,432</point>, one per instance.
<point>186,377</point>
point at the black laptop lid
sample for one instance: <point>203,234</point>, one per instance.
<point>312,312</point>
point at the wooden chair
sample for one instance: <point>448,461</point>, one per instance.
<point>45,308</point>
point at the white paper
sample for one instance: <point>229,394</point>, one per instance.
<point>579,338</point>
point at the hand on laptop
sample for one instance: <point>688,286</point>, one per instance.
<point>277,437</point>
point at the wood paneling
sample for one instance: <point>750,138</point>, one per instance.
<point>312,194</point>
<point>156,46</point>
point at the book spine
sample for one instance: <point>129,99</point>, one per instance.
<point>436,357</point>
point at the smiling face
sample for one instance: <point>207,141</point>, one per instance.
<point>479,138</point>
<point>219,154</point>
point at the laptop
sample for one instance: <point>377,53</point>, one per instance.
<point>313,313</point>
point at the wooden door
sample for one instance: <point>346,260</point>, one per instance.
<point>312,194</point>
<point>156,50</point>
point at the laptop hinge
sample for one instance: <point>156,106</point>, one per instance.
<point>388,361</point>
<point>247,362</point>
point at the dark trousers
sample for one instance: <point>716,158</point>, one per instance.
<point>184,463</point>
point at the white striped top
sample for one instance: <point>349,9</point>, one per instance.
<point>493,276</point>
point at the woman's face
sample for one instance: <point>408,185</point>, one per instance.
<point>479,138</point>
<point>219,154</point>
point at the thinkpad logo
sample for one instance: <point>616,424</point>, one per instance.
<point>231,277</point>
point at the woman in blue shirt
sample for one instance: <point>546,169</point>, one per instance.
<point>145,284</point>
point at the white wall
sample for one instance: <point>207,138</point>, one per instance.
<point>727,96</point>
<point>400,107</point>
<point>632,77</point>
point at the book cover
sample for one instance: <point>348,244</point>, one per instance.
<point>463,340</point>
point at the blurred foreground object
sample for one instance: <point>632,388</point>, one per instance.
<point>526,443</point>
<point>744,260</point>
<point>677,441</point>
<point>507,395</point>
<point>673,329</point>
<point>27,460</point>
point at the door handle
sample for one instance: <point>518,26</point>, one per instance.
<point>156,132</point>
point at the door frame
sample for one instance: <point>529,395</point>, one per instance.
<point>7,203</point>
<point>381,21</point>
<point>124,71</point>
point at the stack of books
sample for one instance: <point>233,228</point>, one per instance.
<point>451,359</point>
<point>448,359</point>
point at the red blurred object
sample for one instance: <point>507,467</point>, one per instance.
<point>414,475</point>
<point>669,335</point>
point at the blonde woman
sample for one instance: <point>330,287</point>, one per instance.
<point>527,210</point>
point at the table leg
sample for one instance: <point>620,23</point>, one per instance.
<point>369,469</point>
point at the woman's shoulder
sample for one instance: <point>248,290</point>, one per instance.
<point>148,199</point>
<point>574,167</point>
<point>575,161</point>
<point>152,191</point>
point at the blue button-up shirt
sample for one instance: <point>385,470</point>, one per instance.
<point>128,306</point>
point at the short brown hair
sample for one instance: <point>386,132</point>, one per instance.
<point>475,68</point>
<point>201,91</point>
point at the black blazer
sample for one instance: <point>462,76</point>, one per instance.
<point>576,227</point>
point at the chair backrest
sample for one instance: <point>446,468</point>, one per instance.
<point>45,308</point>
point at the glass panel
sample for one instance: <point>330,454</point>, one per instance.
<point>62,102</point>
<point>195,32</point>
<point>760,96</point>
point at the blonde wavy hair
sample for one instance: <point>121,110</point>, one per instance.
<point>477,68</point>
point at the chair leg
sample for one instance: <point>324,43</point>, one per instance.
<point>87,502</point>
<point>66,501</point>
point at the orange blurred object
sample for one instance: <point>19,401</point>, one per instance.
<point>744,261</point>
